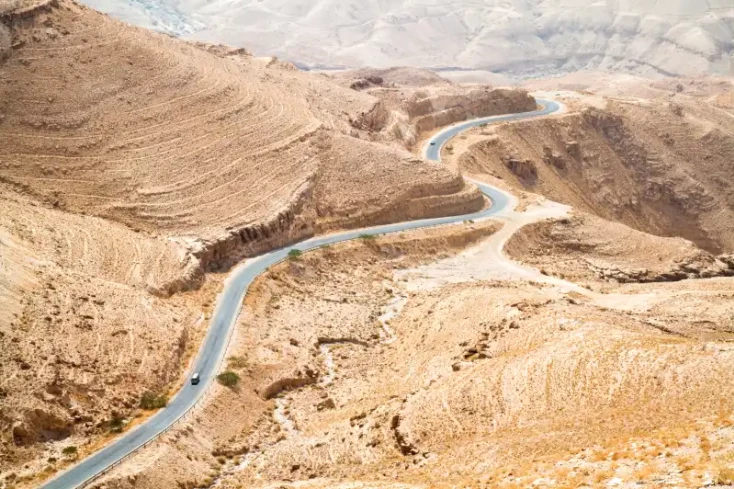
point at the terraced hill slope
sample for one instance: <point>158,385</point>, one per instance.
<point>82,336</point>
<point>130,164</point>
<point>193,140</point>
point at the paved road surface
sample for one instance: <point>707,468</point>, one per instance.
<point>228,307</point>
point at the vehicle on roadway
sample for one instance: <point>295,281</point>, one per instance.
<point>433,143</point>
<point>195,379</point>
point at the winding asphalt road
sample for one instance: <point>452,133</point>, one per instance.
<point>229,303</point>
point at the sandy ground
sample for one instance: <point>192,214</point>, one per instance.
<point>376,365</point>
<point>128,183</point>
<point>425,359</point>
<point>488,261</point>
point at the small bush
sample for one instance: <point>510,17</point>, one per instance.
<point>228,378</point>
<point>236,362</point>
<point>367,237</point>
<point>294,254</point>
<point>150,401</point>
<point>116,425</point>
<point>71,451</point>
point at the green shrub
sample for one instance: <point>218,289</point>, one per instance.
<point>294,254</point>
<point>228,378</point>
<point>236,362</point>
<point>117,424</point>
<point>70,451</point>
<point>150,401</point>
<point>367,237</point>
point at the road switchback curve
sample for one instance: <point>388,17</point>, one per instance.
<point>215,343</point>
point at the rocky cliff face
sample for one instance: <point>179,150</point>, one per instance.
<point>443,110</point>
<point>658,167</point>
<point>704,266</point>
<point>404,114</point>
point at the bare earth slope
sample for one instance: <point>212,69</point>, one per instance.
<point>82,337</point>
<point>584,247</point>
<point>660,165</point>
<point>352,378</point>
<point>414,102</point>
<point>130,164</point>
<point>204,142</point>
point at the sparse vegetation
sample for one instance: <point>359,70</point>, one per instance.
<point>367,377</point>
<point>236,362</point>
<point>150,401</point>
<point>117,424</point>
<point>228,378</point>
<point>70,451</point>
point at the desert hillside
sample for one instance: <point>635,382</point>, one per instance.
<point>413,103</point>
<point>584,248</point>
<point>660,164</point>
<point>83,337</point>
<point>131,164</point>
<point>581,339</point>
<point>233,153</point>
<point>359,372</point>
<point>520,38</point>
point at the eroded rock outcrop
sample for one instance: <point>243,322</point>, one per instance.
<point>39,425</point>
<point>430,113</point>
<point>298,378</point>
<point>704,266</point>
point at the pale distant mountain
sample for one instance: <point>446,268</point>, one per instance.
<point>525,37</point>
